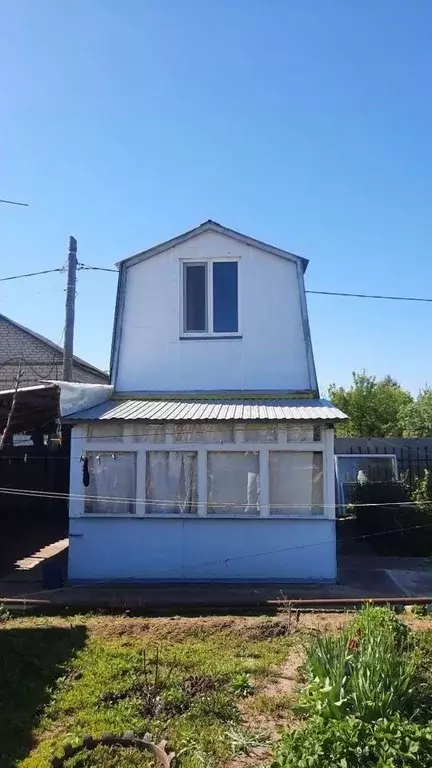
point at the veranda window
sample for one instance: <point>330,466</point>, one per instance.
<point>296,483</point>
<point>233,484</point>
<point>171,482</point>
<point>112,486</point>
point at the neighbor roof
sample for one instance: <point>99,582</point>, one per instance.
<point>212,226</point>
<point>217,409</point>
<point>49,343</point>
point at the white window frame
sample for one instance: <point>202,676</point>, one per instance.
<point>325,445</point>
<point>209,333</point>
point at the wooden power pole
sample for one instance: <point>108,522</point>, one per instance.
<point>70,311</point>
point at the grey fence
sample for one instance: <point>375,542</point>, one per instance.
<point>413,455</point>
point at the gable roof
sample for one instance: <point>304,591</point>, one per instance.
<point>77,360</point>
<point>212,226</point>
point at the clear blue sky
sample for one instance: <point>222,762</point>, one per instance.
<point>305,124</point>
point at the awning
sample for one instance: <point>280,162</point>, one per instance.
<point>214,409</point>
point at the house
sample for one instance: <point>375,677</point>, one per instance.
<point>213,459</point>
<point>38,357</point>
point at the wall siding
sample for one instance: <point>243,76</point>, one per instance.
<point>202,549</point>
<point>271,354</point>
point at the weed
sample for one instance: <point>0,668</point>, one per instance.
<point>242,685</point>
<point>273,705</point>
<point>243,741</point>
<point>5,614</point>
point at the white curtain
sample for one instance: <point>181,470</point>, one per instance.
<point>233,484</point>
<point>171,482</point>
<point>296,482</point>
<point>112,487</point>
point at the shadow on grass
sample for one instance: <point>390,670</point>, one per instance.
<point>31,660</point>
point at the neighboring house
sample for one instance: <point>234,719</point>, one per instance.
<point>214,458</point>
<point>38,357</point>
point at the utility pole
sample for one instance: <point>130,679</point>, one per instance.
<point>70,311</point>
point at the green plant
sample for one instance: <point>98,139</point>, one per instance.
<point>242,685</point>
<point>242,742</point>
<point>422,492</point>
<point>352,743</point>
<point>390,522</point>
<point>5,614</point>
<point>369,670</point>
<point>420,611</point>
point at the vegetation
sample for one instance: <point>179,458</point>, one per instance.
<point>382,408</point>
<point>369,671</point>
<point>353,743</point>
<point>219,688</point>
<point>367,697</point>
<point>375,407</point>
<point>63,680</point>
<point>416,417</point>
<point>393,525</point>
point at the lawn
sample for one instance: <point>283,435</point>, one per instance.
<point>219,690</point>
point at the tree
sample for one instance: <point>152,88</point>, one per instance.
<point>416,417</point>
<point>374,407</point>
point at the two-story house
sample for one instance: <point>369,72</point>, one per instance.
<point>214,457</point>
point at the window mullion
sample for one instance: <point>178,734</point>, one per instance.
<point>264,473</point>
<point>210,296</point>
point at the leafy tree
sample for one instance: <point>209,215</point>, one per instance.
<point>416,416</point>
<point>373,406</point>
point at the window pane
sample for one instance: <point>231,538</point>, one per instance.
<point>203,433</point>
<point>296,483</point>
<point>195,311</point>
<point>171,482</point>
<point>233,482</point>
<point>102,431</point>
<point>145,433</point>
<point>300,433</point>
<point>225,296</point>
<point>260,433</point>
<point>112,476</point>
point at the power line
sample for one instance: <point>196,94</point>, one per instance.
<point>32,274</point>
<point>14,202</point>
<point>371,296</point>
<point>97,269</point>
<point>381,297</point>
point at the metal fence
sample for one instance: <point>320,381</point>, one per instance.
<point>413,455</point>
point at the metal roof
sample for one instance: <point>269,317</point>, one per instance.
<point>236,409</point>
<point>213,226</point>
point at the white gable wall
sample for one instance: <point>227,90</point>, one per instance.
<point>271,353</point>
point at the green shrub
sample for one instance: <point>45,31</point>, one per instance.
<point>352,743</point>
<point>422,492</point>
<point>369,670</point>
<point>397,527</point>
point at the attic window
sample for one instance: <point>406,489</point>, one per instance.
<point>210,297</point>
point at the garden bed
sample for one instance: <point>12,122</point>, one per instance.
<point>222,691</point>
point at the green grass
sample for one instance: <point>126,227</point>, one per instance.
<point>61,679</point>
<point>68,680</point>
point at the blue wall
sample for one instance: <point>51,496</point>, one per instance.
<point>201,548</point>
